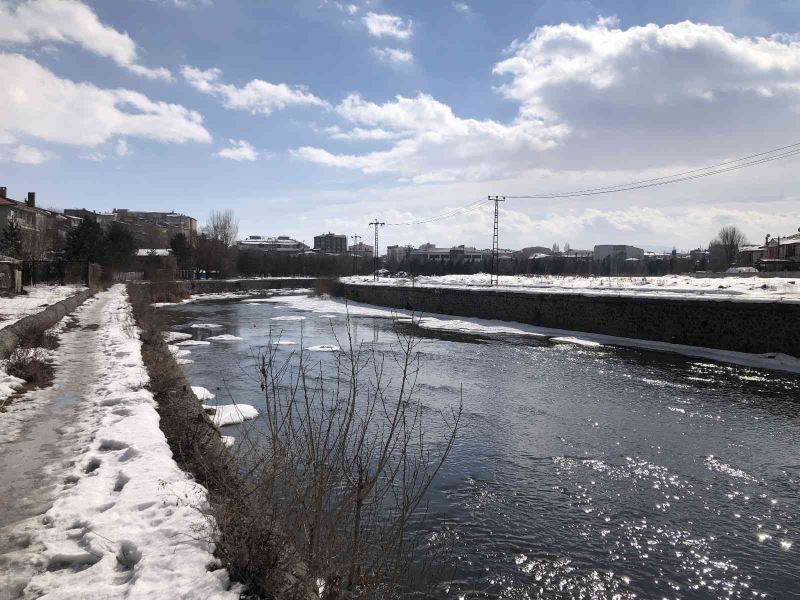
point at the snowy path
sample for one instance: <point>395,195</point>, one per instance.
<point>92,505</point>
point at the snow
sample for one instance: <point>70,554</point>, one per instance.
<point>228,440</point>
<point>202,393</point>
<point>244,296</point>
<point>231,414</point>
<point>174,336</point>
<point>226,337</point>
<point>38,298</point>
<point>288,318</point>
<point>126,524</point>
<point>206,326</point>
<point>9,385</point>
<point>575,340</point>
<point>323,348</point>
<point>193,343</point>
<point>733,288</point>
<point>177,352</point>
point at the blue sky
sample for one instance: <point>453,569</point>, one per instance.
<point>308,116</point>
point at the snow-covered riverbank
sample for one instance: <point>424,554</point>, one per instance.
<point>36,299</point>
<point>740,289</point>
<point>123,520</point>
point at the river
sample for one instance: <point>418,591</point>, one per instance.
<point>580,471</point>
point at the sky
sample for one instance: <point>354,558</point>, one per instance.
<point>308,116</point>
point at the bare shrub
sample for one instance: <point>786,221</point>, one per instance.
<point>30,364</point>
<point>340,472</point>
<point>46,339</point>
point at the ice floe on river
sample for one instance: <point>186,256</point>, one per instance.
<point>176,336</point>
<point>225,337</point>
<point>323,348</point>
<point>231,414</point>
<point>202,393</point>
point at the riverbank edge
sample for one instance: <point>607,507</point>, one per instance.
<point>196,443</point>
<point>173,291</point>
<point>11,335</point>
<point>752,328</point>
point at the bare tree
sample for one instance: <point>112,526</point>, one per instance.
<point>336,477</point>
<point>725,247</point>
<point>222,226</point>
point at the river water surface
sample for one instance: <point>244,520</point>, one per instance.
<point>579,471</point>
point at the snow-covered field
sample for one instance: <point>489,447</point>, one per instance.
<point>37,299</point>
<point>740,289</point>
<point>124,520</point>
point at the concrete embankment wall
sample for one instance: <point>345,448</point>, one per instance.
<point>11,335</point>
<point>754,327</point>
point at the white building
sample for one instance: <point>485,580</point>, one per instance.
<point>430,253</point>
<point>282,244</point>
<point>361,249</point>
<point>617,252</point>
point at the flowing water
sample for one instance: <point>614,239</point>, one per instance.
<point>579,472</point>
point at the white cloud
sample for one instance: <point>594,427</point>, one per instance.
<point>462,7</point>
<point>41,105</point>
<point>122,149</point>
<point>358,133</point>
<point>24,154</point>
<point>238,150</point>
<point>382,25</point>
<point>433,143</point>
<point>350,9</point>
<point>594,97</point>
<point>393,55</point>
<point>186,3</point>
<point>71,22</point>
<point>257,96</point>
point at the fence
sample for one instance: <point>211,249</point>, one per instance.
<point>161,274</point>
<point>129,276</point>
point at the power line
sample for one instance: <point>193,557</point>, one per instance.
<point>759,158</point>
<point>495,274</point>
<point>376,224</point>
<point>667,179</point>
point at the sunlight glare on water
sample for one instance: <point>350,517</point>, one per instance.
<point>580,471</point>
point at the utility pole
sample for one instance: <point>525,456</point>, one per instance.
<point>494,277</point>
<point>356,239</point>
<point>376,254</point>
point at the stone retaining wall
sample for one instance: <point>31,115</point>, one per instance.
<point>11,335</point>
<point>756,327</point>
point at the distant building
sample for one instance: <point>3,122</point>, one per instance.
<point>361,249</point>
<point>282,244</point>
<point>780,253</point>
<point>430,253</point>
<point>43,231</point>
<point>24,213</point>
<point>149,229</point>
<point>330,243</point>
<point>156,229</point>
<point>102,219</point>
<point>617,252</point>
<point>398,254</point>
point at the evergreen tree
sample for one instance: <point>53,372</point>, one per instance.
<point>86,242</point>
<point>181,250</point>
<point>119,247</point>
<point>11,239</point>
